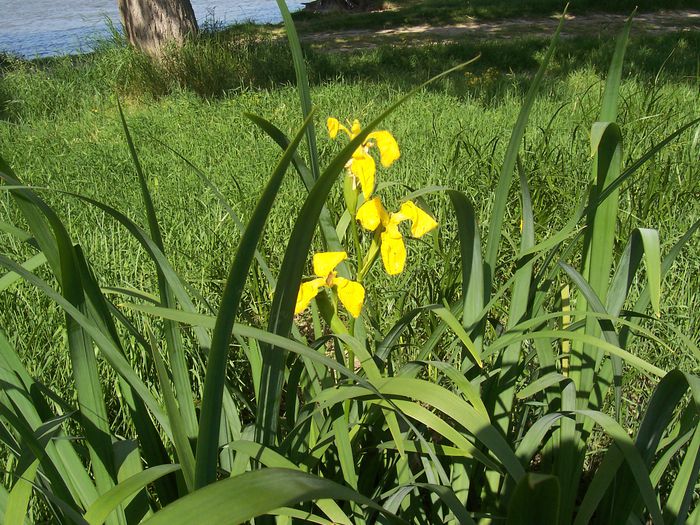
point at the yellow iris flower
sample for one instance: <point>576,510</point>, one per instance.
<point>374,217</point>
<point>362,166</point>
<point>350,293</point>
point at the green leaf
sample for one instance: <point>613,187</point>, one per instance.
<point>325,221</point>
<point>684,486</point>
<point>501,398</point>
<point>208,438</point>
<point>103,506</point>
<point>18,500</point>
<point>176,350</point>
<point>633,459</point>
<point>501,194</point>
<point>302,83</point>
<point>470,260</point>
<point>237,500</point>
<point>644,298</point>
<point>177,425</point>
<point>30,264</point>
<point>535,500</point>
<point>443,493</point>
<point>440,398</point>
<point>451,321</point>
<point>104,343</point>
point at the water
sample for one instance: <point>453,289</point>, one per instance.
<point>37,28</point>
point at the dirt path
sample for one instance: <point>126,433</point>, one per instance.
<point>589,24</point>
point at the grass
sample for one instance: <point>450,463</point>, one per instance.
<point>62,130</point>
<point>440,138</point>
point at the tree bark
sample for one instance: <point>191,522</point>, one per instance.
<point>152,24</point>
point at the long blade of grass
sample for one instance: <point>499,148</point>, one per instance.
<point>659,414</point>
<point>445,494</point>
<point>176,350</point>
<point>503,395</point>
<point>83,361</point>
<point>645,296</point>
<point>237,500</point>
<point>271,459</point>
<point>506,175</point>
<point>325,221</point>
<point>180,440</point>
<point>446,402</point>
<point>684,486</point>
<point>107,502</point>
<point>302,84</point>
<point>595,342</point>
<point>606,145</point>
<point>37,223</point>
<point>208,438</point>
<point>471,262</point>
<point>30,264</point>
<point>152,447</point>
<point>71,481</point>
<point>17,509</point>
<point>633,459</point>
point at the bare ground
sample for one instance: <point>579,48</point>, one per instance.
<point>590,24</point>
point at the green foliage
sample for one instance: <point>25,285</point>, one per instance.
<point>467,391</point>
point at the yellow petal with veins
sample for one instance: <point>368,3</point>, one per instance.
<point>393,250</point>
<point>388,147</point>
<point>308,291</point>
<point>355,129</point>
<point>351,294</point>
<point>325,262</point>
<point>371,214</point>
<point>363,168</point>
<point>421,222</point>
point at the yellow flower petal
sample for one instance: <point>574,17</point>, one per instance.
<point>364,168</point>
<point>393,250</point>
<point>388,147</point>
<point>355,129</point>
<point>325,262</point>
<point>334,126</point>
<point>421,222</point>
<point>371,214</point>
<point>308,291</point>
<point>351,294</point>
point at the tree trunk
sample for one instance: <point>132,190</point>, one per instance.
<point>151,24</point>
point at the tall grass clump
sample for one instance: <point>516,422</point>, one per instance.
<point>501,405</point>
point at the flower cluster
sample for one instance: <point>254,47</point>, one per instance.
<point>372,216</point>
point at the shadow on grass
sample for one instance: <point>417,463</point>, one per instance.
<point>442,12</point>
<point>218,65</point>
